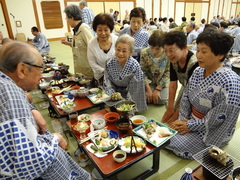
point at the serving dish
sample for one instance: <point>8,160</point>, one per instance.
<point>127,144</point>
<point>63,98</point>
<point>95,99</point>
<point>84,117</point>
<point>106,141</point>
<point>155,138</point>
<point>138,120</point>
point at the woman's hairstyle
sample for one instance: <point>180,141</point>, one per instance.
<point>170,20</point>
<point>138,12</point>
<point>126,39</point>
<point>10,58</point>
<point>175,37</point>
<point>103,19</point>
<point>184,18</point>
<point>219,41</point>
<point>73,11</point>
<point>156,38</point>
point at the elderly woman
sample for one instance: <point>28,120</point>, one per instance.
<point>156,68</point>
<point>82,35</point>
<point>123,73</point>
<point>102,47</point>
<point>137,19</point>
<point>210,104</point>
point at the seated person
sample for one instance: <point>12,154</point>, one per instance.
<point>182,64</point>
<point>137,18</point>
<point>123,73</point>
<point>210,104</point>
<point>40,41</point>
<point>156,68</point>
<point>25,153</point>
<point>192,33</point>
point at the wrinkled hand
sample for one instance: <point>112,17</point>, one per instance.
<point>167,115</point>
<point>180,126</point>
<point>156,96</point>
<point>40,121</point>
<point>149,96</point>
<point>61,141</point>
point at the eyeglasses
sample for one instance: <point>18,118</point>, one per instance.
<point>40,67</point>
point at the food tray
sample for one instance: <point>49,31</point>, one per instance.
<point>154,140</point>
<point>93,98</point>
<point>213,166</point>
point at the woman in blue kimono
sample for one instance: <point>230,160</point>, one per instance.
<point>123,73</point>
<point>210,104</point>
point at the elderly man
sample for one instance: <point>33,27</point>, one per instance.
<point>40,41</point>
<point>25,154</point>
<point>82,34</point>
<point>87,13</point>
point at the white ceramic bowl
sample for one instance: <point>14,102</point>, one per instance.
<point>138,120</point>
<point>99,123</point>
<point>119,155</point>
<point>93,90</point>
<point>84,117</point>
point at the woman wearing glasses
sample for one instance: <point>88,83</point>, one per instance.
<point>123,73</point>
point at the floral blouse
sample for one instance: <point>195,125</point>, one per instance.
<point>156,70</point>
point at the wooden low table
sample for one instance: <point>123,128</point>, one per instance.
<point>108,168</point>
<point>82,104</point>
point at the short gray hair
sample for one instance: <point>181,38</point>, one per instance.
<point>126,39</point>
<point>83,2</point>
<point>73,11</point>
<point>15,52</point>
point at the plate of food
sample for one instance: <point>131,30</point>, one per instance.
<point>155,132</point>
<point>84,117</point>
<point>106,140</point>
<point>132,144</point>
<point>63,98</point>
<point>99,97</point>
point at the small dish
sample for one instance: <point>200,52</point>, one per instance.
<point>119,155</point>
<point>93,90</point>
<point>84,117</point>
<point>111,117</point>
<point>138,120</point>
<point>99,123</point>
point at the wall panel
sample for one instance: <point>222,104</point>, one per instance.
<point>125,6</point>
<point>179,12</point>
<point>156,9</point>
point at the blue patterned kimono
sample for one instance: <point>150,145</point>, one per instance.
<point>127,80</point>
<point>218,98</point>
<point>25,154</point>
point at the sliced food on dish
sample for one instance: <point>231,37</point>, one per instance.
<point>106,140</point>
<point>155,132</point>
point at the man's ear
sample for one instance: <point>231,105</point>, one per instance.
<point>22,70</point>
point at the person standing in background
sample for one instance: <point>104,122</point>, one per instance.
<point>39,41</point>
<point>82,34</point>
<point>87,13</point>
<point>101,48</point>
<point>141,36</point>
